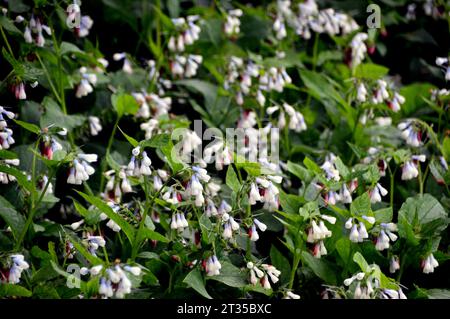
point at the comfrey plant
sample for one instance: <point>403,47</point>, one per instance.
<point>262,151</point>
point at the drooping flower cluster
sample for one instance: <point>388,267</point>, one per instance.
<point>187,32</point>
<point>262,276</point>
<point>232,24</point>
<point>318,232</point>
<point>6,139</point>
<point>33,31</point>
<point>17,266</point>
<point>81,169</point>
<point>212,266</point>
<point>429,264</point>
<point>151,105</point>
<point>114,281</point>
<point>307,18</point>
<point>411,133</point>
<point>296,119</point>
<point>358,231</point>
<point>118,184</point>
<point>139,164</point>
<point>87,80</point>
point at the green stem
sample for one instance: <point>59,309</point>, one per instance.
<point>6,41</point>
<point>108,150</point>
<point>295,264</point>
<point>315,51</point>
<point>47,74</point>
<point>33,210</point>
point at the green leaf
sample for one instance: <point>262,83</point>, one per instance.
<point>438,293</point>
<point>15,220</point>
<point>299,171</point>
<point>91,217</point>
<point>206,228</point>
<point>130,140</point>
<point>127,228</point>
<point>311,165</point>
<point>361,205</point>
<point>8,25</point>
<point>153,235</point>
<point>195,280</point>
<point>29,127</point>
<point>384,215</point>
<point>54,116</point>
<point>67,47</point>
<point>290,203</point>
<point>320,268</point>
<point>124,104</point>
<point>4,154</point>
<point>10,290</point>
<point>370,71</point>
<point>156,141</point>
<point>232,180</point>
<point>446,147</point>
<point>230,275</point>
<point>421,217</point>
<point>361,261</point>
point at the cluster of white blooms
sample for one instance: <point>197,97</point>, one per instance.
<point>4,177</point>
<point>186,66</point>
<point>126,67</point>
<point>187,32</point>
<point>359,48</point>
<point>437,94</point>
<point>268,271</point>
<point>432,8</point>
<point>366,286</point>
<point>151,104</point>
<point>218,152</point>
<point>253,232</point>
<point>190,142</point>
<point>49,145</point>
<point>194,187</point>
<point>139,164</point>
<point>87,80</point>
<point>6,139</point>
<point>95,126</point>
<point>444,64</point>
<point>230,225</point>
<point>33,31</point>
<point>309,18</point>
<point>381,94</point>
<point>150,128</point>
<point>212,266</point>
<point>386,235</point>
<point>318,232</point>
<point>296,119</point>
<point>94,242</point>
<point>112,224</point>
<point>82,23</point>
<point>330,169</point>
<point>263,190</point>
<point>358,231</point>
<point>179,222</point>
<point>428,264</point>
<point>409,169</point>
<point>159,177</point>
<point>376,193</point>
<point>114,281</point>
<point>117,184</point>
<point>81,170</point>
<point>410,133</point>
<point>233,23</point>
<point>18,265</point>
